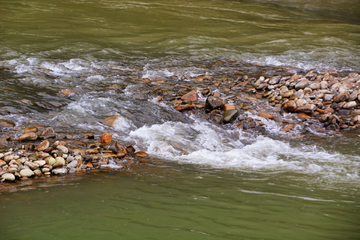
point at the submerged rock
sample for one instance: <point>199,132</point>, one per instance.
<point>6,124</point>
<point>230,115</point>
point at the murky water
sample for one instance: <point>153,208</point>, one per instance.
<point>211,182</point>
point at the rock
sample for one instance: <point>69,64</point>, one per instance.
<point>315,85</point>
<point>9,157</point>
<point>50,160</point>
<point>106,138</point>
<point>2,163</point>
<point>324,85</point>
<point>141,154</point>
<point>43,146</point>
<point>351,104</point>
<point>73,164</point>
<point>37,172</point>
<point>301,102</point>
<point>26,172</point>
<point>91,151</point>
<point>357,119</point>
<point>229,107</point>
<point>3,141</point>
<point>184,107</point>
<point>59,171</point>
<point>287,128</point>
<point>44,170</point>
<point>110,121</point>
<point>344,88</point>
<point>8,176</point>
<point>31,136</point>
<point>265,115</point>
<point>303,116</point>
<point>288,94</point>
<point>65,93</point>
<point>308,109</point>
<point>302,83</point>
<point>274,80</point>
<point>328,97</point>
<point>341,97</point>
<point>60,160</point>
<point>230,115</point>
<point>63,149</point>
<point>29,129</point>
<point>213,103</point>
<point>290,106</point>
<point>31,165</point>
<point>46,133</point>
<point>192,96</point>
<point>40,163</point>
<point>6,124</point>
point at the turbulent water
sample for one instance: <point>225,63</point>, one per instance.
<point>86,46</point>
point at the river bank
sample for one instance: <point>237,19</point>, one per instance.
<point>313,103</point>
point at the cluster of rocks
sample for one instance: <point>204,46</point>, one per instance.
<point>52,156</point>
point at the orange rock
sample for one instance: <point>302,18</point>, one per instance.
<point>287,128</point>
<point>145,80</point>
<point>158,82</point>
<point>29,129</point>
<point>265,115</point>
<point>91,151</point>
<point>116,69</point>
<point>110,120</point>
<point>229,107</point>
<point>31,136</point>
<point>184,107</point>
<point>113,87</point>
<point>192,96</point>
<point>303,116</point>
<point>65,93</point>
<point>141,154</point>
<point>251,98</point>
<point>43,145</point>
<point>290,106</point>
<point>89,165</point>
<point>106,138</point>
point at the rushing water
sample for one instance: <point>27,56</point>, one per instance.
<point>209,182</point>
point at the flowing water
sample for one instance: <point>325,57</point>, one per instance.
<point>209,182</point>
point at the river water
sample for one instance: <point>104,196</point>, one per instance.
<point>206,182</point>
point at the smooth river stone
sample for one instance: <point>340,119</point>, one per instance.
<point>43,145</point>
<point>8,176</point>
<point>6,124</point>
<point>265,115</point>
<point>192,96</point>
<point>31,136</point>
<point>230,115</point>
<point>26,172</point>
<point>59,171</point>
<point>302,84</point>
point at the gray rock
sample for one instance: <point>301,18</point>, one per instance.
<point>230,115</point>
<point>302,83</point>
<point>213,103</point>
<point>73,164</point>
<point>59,171</point>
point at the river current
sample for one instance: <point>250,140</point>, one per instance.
<point>209,182</point>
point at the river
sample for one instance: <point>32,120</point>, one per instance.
<point>206,181</point>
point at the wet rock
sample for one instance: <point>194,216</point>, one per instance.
<point>31,136</point>
<point>29,129</point>
<point>287,94</point>
<point>106,137</point>
<point>288,128</point>
<point>110,121</point>
<point>349,105</point>
<point>265,115</point>
<point>46,133</point>
<point>341,97</point>
<point>184,107</point>
<point>63,149</point>
<point>59,171</point>
<point>141,154</point>
<point>2,163</point>
<point>8,177</point>
<point>6,124</point>
<point>73,164</point>
<point>315,85</point>
<point>43,146</point>
<point>31,165</point>
<point>3,141</point>
<point>191,96</point>
<point>65,93</point>
<point>116,147</point>
<point>60,160</point>
<point>308,109</point>
<point>302,83</point>
<point>274,80</point>
<point>213,102</point>
<point>26,172</point>
<point>229,107</point>
<point>290,106</point>
<point>230,115</point>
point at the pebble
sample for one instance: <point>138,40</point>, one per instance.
<point>8,177</point>
<point>26,172</point>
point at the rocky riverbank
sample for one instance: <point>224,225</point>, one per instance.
<point>313,102</point>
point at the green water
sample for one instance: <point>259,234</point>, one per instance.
<point>249,187</point>
<point>177,202</point>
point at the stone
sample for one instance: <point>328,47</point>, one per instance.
<point>351,104</point>
<point>73,164</point>
<point>91,151</point>
<point>29,129</point>
<point>8,177</point>
<point>213,103</point>
<point>288,94</point>
<point>230,115</point>
<point>9,157</point>
<point>357,119</point>
<point>302,83</point>
<point>31,136</point>
<point>106,137</point>
<point>60,160</point>
<point>37,172</point>
<point>2,163</point>
<point>324,85</point>
<point>287,128</point>
<point>40,163</point>
<point>290,106</point>
<point>300,102</point>
<point>31,165</point>
<point>328,97</point>
<point>229,107</point>
<point>265,115</point>
<point>184,107</point>
<point>50,160</point>
<point>315,85</point>
<point>63,149</point>
<point>274,80</point>
<point>141,154</point>
<point>303,116</point>
<point>341,97</point>
<point>6,124</point>
<point>344,88</point>
<point>192,96</point>
<point>26,172</point>
<point>308,109</point>
<point>110,121</point>
<point>65,93</point>
<point>43,146</point>
<point>59,171</point>
<point>46,133</point>
<point>44,170</point>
